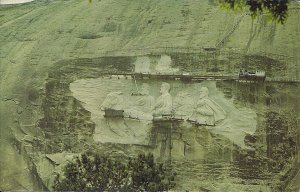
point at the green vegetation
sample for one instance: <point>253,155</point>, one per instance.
<point>92,172</point>
<point>277,8</point>
<point>281,141</point>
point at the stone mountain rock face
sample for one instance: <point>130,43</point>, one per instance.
<point>36,35</point>
<point>46,45</point>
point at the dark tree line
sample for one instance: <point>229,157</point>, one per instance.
<point>92,172</point>
<point>277,8</point>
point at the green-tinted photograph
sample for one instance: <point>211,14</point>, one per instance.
<point>150,95</point>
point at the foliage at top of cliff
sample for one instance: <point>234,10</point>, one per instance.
<point>277,8</point>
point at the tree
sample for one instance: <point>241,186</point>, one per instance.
<point>277,8</point>
<point>146,175</point>
<point>93,172</point>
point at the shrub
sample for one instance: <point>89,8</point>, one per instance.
<point>92,172</point>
